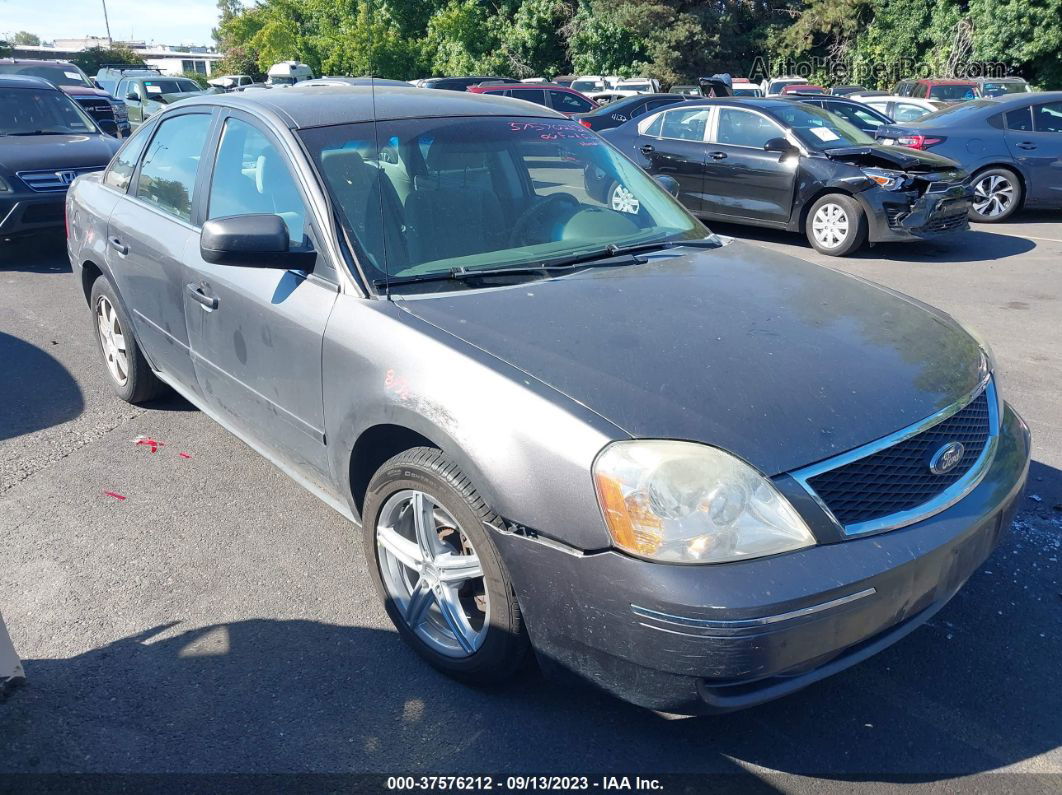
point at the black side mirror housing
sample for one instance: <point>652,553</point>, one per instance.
<point>132,97</point>
<point>253,241</point>
<point>780,145</point>
<point>668,183</point>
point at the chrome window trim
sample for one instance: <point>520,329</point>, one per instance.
<point>741,623</point>
<point>940,502</point>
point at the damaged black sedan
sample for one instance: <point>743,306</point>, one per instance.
<point>786,165</point>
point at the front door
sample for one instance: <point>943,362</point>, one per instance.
<point>741,180</point>
<point>256,333</point>
<point>673,145</point>
<point>149,232</point>
<point>1035,141</point>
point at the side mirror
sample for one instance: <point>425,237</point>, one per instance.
<point>109,126</point>
<point>668,183</point>
<point>253,241</point>
<point>132,96</point>
<point>780,145</point>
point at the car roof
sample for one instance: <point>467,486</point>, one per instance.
<point>763,103</point>
<point>946,81</point>
<point>25,81</point>
<point>321,106</point>
<point>1021,99</point>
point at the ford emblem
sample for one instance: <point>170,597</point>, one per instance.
<point>946,458</point>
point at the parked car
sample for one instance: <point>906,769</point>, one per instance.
<point>231,82</point>
<point>565,100</point>
<point>998,86</point>
<point>686,91</point>
<point>564,80</point>
<point>46,140</point>
<point>899,109</point>
<point>743,88</point>
<point>788,165</point>
<point>511,455</point>
<point>802,88</point>
<point>938,91</point>
<point>288,73</point>
<point>350,81</point>
<point>462,83</point>
<point>108,112</point>
<point>624,109</point>
<point>146,95</point>
<point>773,86</point>
<point>1012,145</point>
<point>108,75</point>
<point>641,85</point>
<point>844,91</point>
<point>858,114</point>
<point>587,84</point>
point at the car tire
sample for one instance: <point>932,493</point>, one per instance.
<point>836,225</point>
<point>471,629</point>
<point>997,195</point>
<point>128,372</point>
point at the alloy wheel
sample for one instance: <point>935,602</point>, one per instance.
<point>432,573</point>
<point>112,340</point>
<point>830,225</point>
<point>993,195</point>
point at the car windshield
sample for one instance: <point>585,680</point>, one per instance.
<point>819,128</point>
<point>31,111</point>
<point>953,93</point>
<point>583,86</point>
<point>56,74</point>
<point>626,86</point>
<point>155,87</point>
<point>998,89</point>
<point>488,192</point>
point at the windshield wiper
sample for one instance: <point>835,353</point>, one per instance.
<point>42,132</point>
<point>542,271</point>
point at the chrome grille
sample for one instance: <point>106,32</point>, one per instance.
<point>53,181</point>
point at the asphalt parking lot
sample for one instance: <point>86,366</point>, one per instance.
<point>218,619</point>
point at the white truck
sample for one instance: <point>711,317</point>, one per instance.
<point>288,73</point>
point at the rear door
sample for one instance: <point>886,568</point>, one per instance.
<point>674,144</point>
<point>256,333</point>
<point>1034,138</point>
<point>149,232</point>
<point>741,180</point>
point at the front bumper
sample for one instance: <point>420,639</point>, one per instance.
<point>696,639</point>
<point>24,212</point>
<point>904,215</point>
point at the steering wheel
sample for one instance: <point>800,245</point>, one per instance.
<point>537,213</point>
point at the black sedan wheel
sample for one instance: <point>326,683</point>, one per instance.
<point>836,225</point>
<point>433,563</point>
<point>997,194</point>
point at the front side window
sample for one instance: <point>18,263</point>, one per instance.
<point>743,128</point>
<point>688,124</point>
<point>32,111</point>
<point>568,103</point>
<point>124,164</point>
<point>167,176</point>
<point>487,192</point>
<point>1048,118</point>
<point>252,177</point>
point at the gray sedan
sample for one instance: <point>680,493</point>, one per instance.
<point>697,474</point>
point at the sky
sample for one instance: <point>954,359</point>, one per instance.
<point>164,21</point>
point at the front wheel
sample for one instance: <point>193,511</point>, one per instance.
<point>443,584</point>
<point>997,195</point>
<point>836,225</point>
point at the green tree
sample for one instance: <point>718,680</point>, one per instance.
<point>91,60</point>
<point>25,38</point>
<point>1023,34</point>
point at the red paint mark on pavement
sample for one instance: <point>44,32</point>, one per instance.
<point>116,495</point>
<point>146,442</point>
<point>184,455</point>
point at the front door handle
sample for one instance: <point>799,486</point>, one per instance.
<point>119,246</point>
<point>209,302</point>
<point>647,149</point>
<point>1026,145</point>
<point>717,155</point>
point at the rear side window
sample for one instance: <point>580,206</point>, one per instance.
<point>568,103</point>
<point>167,177</point>
<point>536,95</point>
<point>1019,119</point>
<point>251,177</point>
<point>121,169</point>
<point>1048,118</point>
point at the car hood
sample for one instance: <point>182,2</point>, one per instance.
<point>38,152</point>
<point>900,157</point>
<point>84,91</point>
<point>779,361</point>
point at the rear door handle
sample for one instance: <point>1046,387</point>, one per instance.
<point>717,155</point>
<point>1026,145</point>
<point>647,149</point>
<point>210,302</point>
<point>119,246</point>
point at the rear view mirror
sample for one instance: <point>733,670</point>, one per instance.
<point>780,145</point>
<point>668,183</point>
<point>253,241</point>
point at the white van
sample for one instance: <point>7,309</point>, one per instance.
<point>287,73</point>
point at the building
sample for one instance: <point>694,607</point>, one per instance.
<point>171,60</point>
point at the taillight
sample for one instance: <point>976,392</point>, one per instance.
<point>918,141</point>
<point>585,123</point>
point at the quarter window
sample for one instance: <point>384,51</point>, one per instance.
<point>742,128</point>
<point>251,177</point>
<point>1048,117</point>
<point>167,177</point>
<point>121,169</point>
<point>686,125</point>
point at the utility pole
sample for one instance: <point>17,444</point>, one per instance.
<point>107,22</point>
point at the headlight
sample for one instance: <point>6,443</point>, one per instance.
<point>120,111</point>
<point>990,362</point>
<point>4,187</point>
<point>682,502</point>
<point>888,180</point>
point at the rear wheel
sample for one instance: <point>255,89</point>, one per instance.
<point>997,195</point>
<point>443,584</point>
<point>128,372</point>
<point>836,225</point>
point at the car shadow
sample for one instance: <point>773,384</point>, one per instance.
<point>972,691</point>
<point>36,390</point>
<point>39,253</point>
<point>976,245</point>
